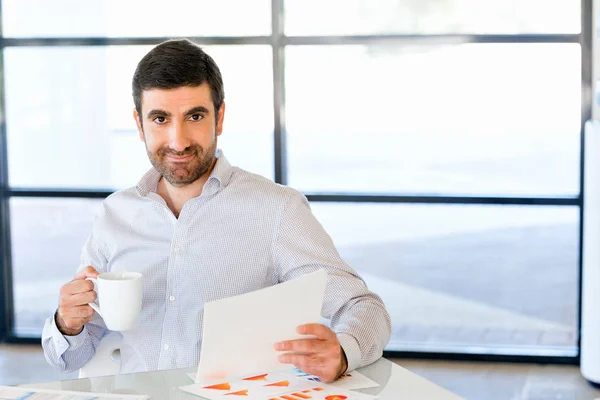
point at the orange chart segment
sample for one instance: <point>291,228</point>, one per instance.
<point>238,393</point>
<point>336,397</point>
<point>262,377</point>
<point>280,383</point>
<point>302,395</point>
<point>220,386</point>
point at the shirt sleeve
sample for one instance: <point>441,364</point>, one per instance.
<point>69,353</point>
<point>358,316</point>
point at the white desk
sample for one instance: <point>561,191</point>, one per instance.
<point>396,383</point>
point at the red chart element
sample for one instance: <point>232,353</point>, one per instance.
<point>220,386</point>
<point>239,393</point>
<point>262,377</point>
<point>303,396</point>
<point>280,383</point>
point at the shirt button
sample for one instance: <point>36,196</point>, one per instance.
<point>176,249</point>
<point>166,347</point>
<point>172,298</point>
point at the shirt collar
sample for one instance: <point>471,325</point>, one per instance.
<point>218,179</point>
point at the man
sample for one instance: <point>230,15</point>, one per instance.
<point>199,229</point>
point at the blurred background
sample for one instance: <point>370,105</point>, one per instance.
<point>439,142</point>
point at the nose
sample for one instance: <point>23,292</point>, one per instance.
<point>178,137</point>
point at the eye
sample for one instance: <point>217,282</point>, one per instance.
<point>160,120</point>
<point>196,117</point>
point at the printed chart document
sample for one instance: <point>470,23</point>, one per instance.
<point>350,380</point>
<point>22,393</point>
<point>272,386</point>
<point>239,332</point>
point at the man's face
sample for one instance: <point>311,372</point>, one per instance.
<point>180,128</point>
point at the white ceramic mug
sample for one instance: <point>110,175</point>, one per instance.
<point>120,294</point>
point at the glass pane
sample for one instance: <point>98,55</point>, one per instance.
<point>356,17</point>
<point>498,278</point>
<point>135,18</point>
<point>488,119</point>
<point>47,237</point>
<point>69,110</point>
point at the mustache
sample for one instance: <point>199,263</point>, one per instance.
<point>166,151</point>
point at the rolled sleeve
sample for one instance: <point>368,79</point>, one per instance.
<point>51,334</point>
<point>351,349</point>
<point>69,353</point>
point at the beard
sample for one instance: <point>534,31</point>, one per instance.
<point>186,172</point>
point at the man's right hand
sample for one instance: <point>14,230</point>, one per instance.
<point>73,309</point>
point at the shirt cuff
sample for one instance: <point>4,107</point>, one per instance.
<point>64,342</point>
<point>352,350</point>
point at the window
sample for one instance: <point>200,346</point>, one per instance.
<point>47,236</point>
<point>472,119</point>
<point>135,18</point>
<point>458,277</point>
<point>364,17</point>
<point>69,112</point>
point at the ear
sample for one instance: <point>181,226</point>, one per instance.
<point>138,122</point>
<point>220,118</point>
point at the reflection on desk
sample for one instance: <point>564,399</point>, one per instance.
<point>396,383</point>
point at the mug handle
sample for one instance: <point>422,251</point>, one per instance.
<point>95,304</point>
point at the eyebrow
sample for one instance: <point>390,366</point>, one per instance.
<point>196,110</point>
<point>191,111</point>
<point>158,113</point>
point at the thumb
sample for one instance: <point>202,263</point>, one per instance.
<point>87,272</point>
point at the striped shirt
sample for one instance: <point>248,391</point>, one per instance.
<point>243,233</point>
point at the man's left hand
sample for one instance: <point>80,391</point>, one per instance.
<point>321,356</point>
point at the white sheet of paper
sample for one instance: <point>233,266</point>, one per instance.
<point>239,332</point>
<point>15,393</point>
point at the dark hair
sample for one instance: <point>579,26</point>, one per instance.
<point>173,64</point>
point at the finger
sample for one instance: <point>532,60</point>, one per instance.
<point>80,312</point>
<point>319,330</point>
<point>87,272</point>
<point>311,364</point>
<point>314,366</point>
<point>75,323</point>
<point>81,299</point>
<point>74,287</point>
<point>74,314</point>
<point>302,346</point>
<point>302,361</point>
